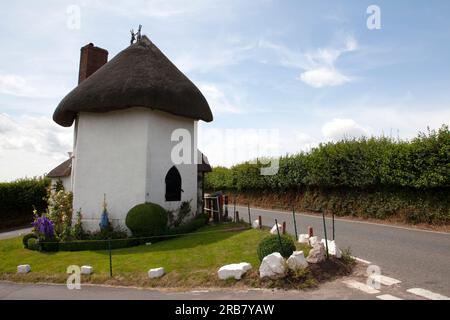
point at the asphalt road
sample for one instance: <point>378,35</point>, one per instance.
<point>417,258</point>
<point>329,290</point>
<point>14,233</point>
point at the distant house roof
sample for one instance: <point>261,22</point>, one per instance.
<point>204,166</point>
<point>63,170</point>
<point>139,76</point>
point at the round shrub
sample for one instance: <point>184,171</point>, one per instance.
<point>147,219</point>
<point>33,244</point>
<point>27,237</point>
<point>271,244</point>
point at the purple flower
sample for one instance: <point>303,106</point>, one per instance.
<point>44,227</point>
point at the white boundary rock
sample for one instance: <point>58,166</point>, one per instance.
<point>333,249</point>
<point>303,238</point>
<point>272,266</point>
<point>316,254</point>
<point>87,270</point>
<point>313,241</point>
<point>297,261</point>
<point>23,268</point>
<point>274,229</point>
<point>156,273</point>
<point>255,224</point>
<point>235,270</point>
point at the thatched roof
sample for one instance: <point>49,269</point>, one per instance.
<point>63,170</point>
<point>139,76</point>
<point>204,166</point>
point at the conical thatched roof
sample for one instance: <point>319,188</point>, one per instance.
<point>139,76</point>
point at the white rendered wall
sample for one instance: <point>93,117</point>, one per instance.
<point>66,182</point>
<point>110,158</point>
<point>126,155</point>
<point>161,127</point>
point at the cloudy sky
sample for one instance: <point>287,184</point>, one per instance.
<point>280,75</point>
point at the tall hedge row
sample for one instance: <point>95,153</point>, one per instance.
<point>421,163</point>
<point>375,177</point>
<point>18,198</point>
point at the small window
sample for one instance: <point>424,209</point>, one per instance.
<point>173,185</point>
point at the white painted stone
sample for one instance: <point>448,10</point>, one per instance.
<point>274,229</point>
<point>333,249</point>
<point>23,268</point>
<point>297,261</point>
<point>272,266</point>
<point>255,224</point>
<point>316,254</point>
<point>303,238</point>
<point>235,270</point>
<point>313,241</point>
<point>156,273</point>
<point>87,270</point>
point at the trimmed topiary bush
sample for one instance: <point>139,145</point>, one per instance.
<point>147,219</point>
<point>27,237</point>
<point>99,245</point>
<point>271,244</point>
<point>49,246</point>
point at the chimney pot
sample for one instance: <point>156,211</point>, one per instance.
<point>91,59</point>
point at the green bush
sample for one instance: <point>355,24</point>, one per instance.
<point>147,219</point>
<point>191,226</point>
<point>18,198</point>
<point>271,244</point>
<point>33,244</point>
<point>27,237</point>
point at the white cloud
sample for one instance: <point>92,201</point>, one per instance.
<point>323,77</point>
<point>338,129</point>
<point>319,65</point>
<point>285,56</point>
<point>35,135</point>
<point>212,55</point>
<point>218,100</point>
<point>15,85</point>
<point>31,146</point>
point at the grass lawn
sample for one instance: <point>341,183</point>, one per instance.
<point>189,261</point>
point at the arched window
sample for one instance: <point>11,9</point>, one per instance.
<point>173,185</point>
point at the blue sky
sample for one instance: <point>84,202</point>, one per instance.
<point>307,71</point>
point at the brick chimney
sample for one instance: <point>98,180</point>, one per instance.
<point>91,59</point>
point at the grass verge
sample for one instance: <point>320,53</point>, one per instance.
<point>190,261</point>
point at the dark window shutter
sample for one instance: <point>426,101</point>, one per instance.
<point>173,185</point>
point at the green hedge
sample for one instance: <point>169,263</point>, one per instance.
<point>421,163</point>
<point>18,198</point>
<point>97,245</point>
